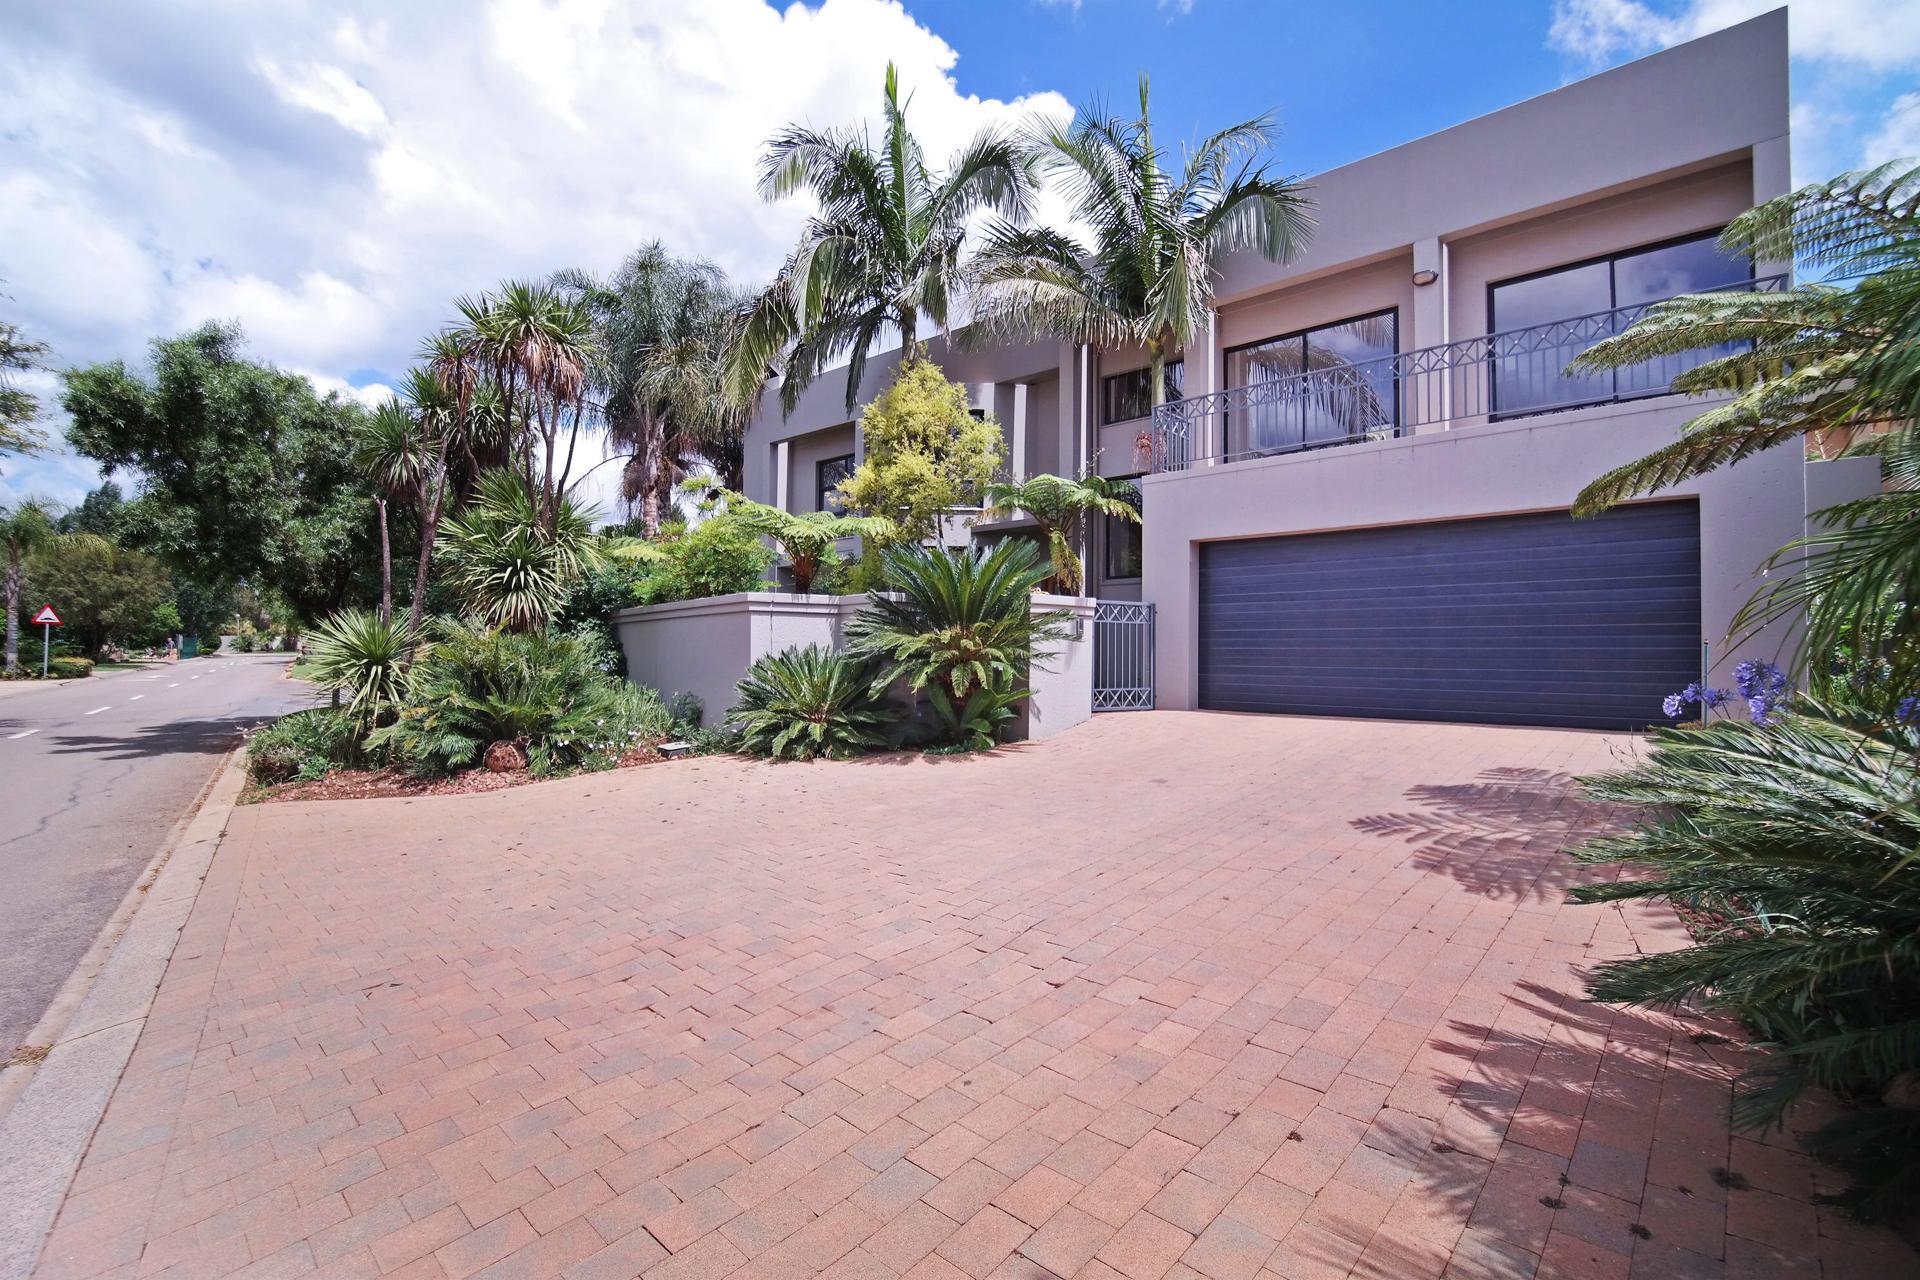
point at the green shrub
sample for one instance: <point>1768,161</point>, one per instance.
<point>716,557</point>
<point>1789,842</point>
<point>304,746</point>
<point>803,703</point>
<point>544,691</point>
<point>69,668</point>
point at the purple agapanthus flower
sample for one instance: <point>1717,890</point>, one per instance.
<point>1674,704</point>
<point>1908,711</point>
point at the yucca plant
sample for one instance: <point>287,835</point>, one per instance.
<point>363,656</point>
<point>1059,506</point>
<point>1794,848</point>
<point>952,622</point>
<point>804,703</point>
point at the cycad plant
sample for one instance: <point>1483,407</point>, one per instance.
<point>807,539</point>
<point>1158,238</point>
<point>363,655</point>
<point>956,623</point>
<point>1059,507</point>
<point>1815,365</point>
<point>1794,847</point>
<point>807,703</point>
<point>883,248</point>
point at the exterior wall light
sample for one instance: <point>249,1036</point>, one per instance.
<point>1425,275</point>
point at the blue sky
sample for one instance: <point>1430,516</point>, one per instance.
<point>332,173</point>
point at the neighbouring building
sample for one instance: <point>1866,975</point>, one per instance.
<point>1359,503</point>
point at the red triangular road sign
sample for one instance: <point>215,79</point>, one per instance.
<point>46,616</point>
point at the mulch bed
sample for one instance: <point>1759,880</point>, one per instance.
<point>369,784</point>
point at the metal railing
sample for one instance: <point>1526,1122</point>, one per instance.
<point>1492,377</point>
<point>1122,656</point>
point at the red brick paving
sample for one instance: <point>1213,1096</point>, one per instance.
<point>1174,995</point>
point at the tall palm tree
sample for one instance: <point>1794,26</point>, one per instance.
<point>391,450</point>
<point>1059,507</point>
<point>1148,278</point>
<point>537,344</point>
<point>24,528</point>
<point>663,327</point>
<point>1810,364</point>
<point>883,249</point>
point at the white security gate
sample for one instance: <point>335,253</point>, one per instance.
<point>1122,656</point>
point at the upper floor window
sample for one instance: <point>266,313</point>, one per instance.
<point>1351,390</point>
<point>828,473</point>
<point>1542,321</point>
<point>1129,395</point>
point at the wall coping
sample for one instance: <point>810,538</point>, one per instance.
<point>779,603</point>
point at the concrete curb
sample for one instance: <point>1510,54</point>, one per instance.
<point>46,1131</point>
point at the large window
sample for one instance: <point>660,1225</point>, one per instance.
<point>1542,321</point>
<point>1350,390</point>
<point>1122,539</point>
<point>828,473</point>
<point>1129,395</point>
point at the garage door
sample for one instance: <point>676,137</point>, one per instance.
<point>1535,619</point>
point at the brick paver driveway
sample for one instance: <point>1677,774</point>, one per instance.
<point>1175,994</point>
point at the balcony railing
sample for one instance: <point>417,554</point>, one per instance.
<point>1493,377</point>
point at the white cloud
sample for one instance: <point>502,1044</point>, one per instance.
<point>1898,137</point>
<point>1841,49</point>
<point>332,177</point>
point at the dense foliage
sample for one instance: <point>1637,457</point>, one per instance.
<point>810,702</point>
<point>104,592</point>
<point>544,692</point>
<point>18,406</point>
<point>247,473</point>
<point>304,746</point>
<point>1790,837</point>
<point>1059,506</point>
<point>926,453</point>
<point>806,540</point>
<point>715,557</point>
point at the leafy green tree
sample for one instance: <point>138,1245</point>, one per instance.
<point>24,529</point>
<point>1148,278</point>
<point>663,327</point>
<point>247,473</point>
<point>18,407</point>
<point>100,512</point>
<point>104,593</point>
<point>883,249</point>
<point>1816,361</point>
<point>926,454</point>
<point>1059,506</point>
<point>717,556</point>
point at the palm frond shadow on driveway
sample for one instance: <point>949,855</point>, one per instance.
<point>1502,835</point>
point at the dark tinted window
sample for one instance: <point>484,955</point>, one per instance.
<point>1350,390</point>
<point>1125,396</point>
<point>829,472</point>
<point>1123,543</point>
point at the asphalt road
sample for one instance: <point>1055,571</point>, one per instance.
<point>93,776</point>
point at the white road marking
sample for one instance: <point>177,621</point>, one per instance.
<point>173,686</point>
<point>97,710</point>
<point>24,733</point>
<point>136,697</point>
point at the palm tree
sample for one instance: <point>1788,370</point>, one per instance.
<point>1814,363</point>
<point>1148,279</point>
<point>511,564</point>
<point>663,327</point>
<point>24,529</point>
<point>883,248</point>
<point>536,344</point>
<point>1059,507</point>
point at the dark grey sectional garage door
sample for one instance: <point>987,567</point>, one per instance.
<point>1535,619</point>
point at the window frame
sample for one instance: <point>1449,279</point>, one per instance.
<point>820,486</point>
<point>1108,378</point>
<point>1107,523</point>
<point>1226,356</point>
<point>1611,258</point>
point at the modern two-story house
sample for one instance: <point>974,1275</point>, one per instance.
<point>1358,503</point>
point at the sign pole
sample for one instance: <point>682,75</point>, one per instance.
<point>46,644</point>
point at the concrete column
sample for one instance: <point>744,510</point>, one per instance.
<point>782,474</point>
<point>1429,395</point>
<point>1017,435</point>
<point>1772,176</point>
<point>1202,376</point>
